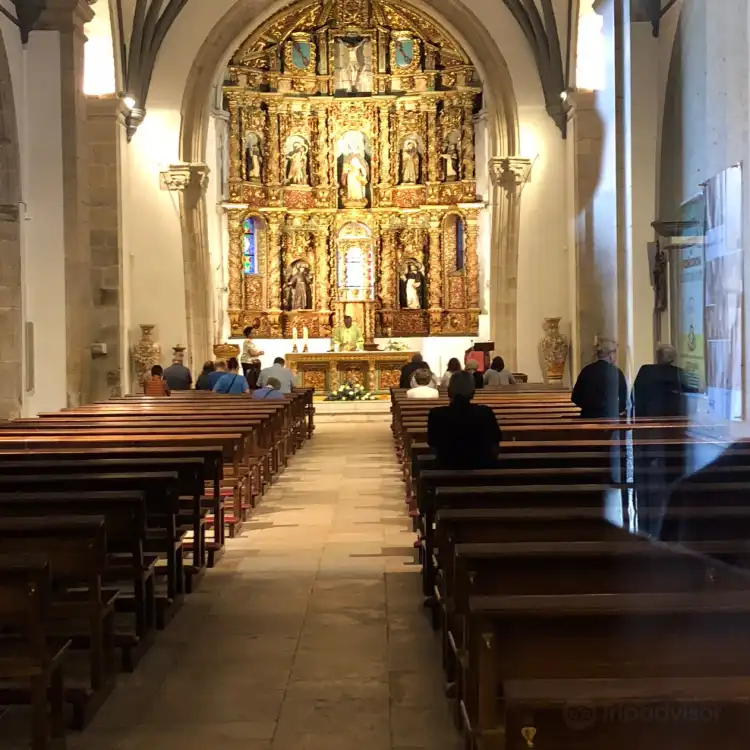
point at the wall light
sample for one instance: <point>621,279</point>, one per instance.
<point>129,101</point>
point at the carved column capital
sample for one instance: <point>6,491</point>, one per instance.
<point>510,172</point>
<point>65,15</point>
<point>182,177</point>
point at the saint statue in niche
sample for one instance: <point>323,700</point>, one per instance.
<point>411,286</point>
<point>297,292</point>
<point>410,163</point>
<point>354,179</point>
<point>253,158</point>
<point>450,162</point>
<point>253,164</point>
<point>296,170</point>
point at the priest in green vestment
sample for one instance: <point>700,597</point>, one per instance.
<point>348,337</point>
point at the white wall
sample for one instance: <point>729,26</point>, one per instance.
<point>152,232</point>
<point>36,89</point>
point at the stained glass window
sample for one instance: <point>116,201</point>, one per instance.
<point>250,247</point>
<point>459,244</point>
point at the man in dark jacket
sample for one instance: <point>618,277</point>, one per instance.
<point>601,390</point>
<point>463,435</point>
<point>408,370</point>
<point>659,390</point>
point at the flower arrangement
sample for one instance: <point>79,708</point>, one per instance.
<point>396,346</point>
<point>351,392</point>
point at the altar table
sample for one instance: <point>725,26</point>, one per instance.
<point>376,371</point>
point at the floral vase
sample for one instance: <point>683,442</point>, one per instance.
<point>554,350</point>
<point>146,353</point>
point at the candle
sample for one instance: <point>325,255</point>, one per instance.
<point>294,334</point>
<point>304,334</point>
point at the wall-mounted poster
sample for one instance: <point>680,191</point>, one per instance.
<point>723,294</point>
<point>691,342</point>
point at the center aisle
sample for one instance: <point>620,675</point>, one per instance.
<point>309,634</point>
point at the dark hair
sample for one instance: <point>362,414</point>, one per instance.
<point>454,365</point>
<point>416,358</point>
<point>209,366</point>
<point>498,364</point>
<point>348,317</point>
<point>279,361</point>
<point>233,364</point>
<point>248,331</point>
<point>157,370</point>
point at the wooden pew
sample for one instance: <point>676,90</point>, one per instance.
<point>128,567</point>
<point>76,548</point>
<point>29,656</point>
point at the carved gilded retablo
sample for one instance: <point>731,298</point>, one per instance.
<point>351,186</point>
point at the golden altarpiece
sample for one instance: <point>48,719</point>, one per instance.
<point>351,174</point>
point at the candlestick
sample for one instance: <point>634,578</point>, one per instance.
<point>294,340</point>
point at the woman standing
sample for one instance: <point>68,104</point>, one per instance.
<point>454,366</point>
<point>498,375</point>
<point>249,358</point>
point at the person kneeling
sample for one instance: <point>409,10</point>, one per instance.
<point>464,435</point>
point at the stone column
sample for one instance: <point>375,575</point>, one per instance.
<point>191,181</point>
<point>508,175</point>
<point>67,18</point>
<point>107,371</point>
<point>471,259</point>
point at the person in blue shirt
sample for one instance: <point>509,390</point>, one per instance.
<point>215,376</point>
<point>270,391</point>
<point>232,382</point>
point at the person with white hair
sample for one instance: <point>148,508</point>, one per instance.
<point>659,390</point>
<point>601,391</point>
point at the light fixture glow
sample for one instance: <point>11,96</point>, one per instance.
<point>129,102</point>
<point>564,96</point>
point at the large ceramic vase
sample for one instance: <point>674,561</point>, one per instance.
<point>554,350</point>
<point>146,353</point>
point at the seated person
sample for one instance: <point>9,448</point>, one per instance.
<point>464,435</point>
<point>232,382</point>
<point>601,390</point>
<point>433,378</point>
<point>408,370</point>
<point>424,387</point>
<point>155,385</point>
<point>204,381</point>
<point>454,366</point>
<point>270,391</point>
<point>473,369</point>
<point>498,375</point>
<point>220,368</point>
<point>659,390</point>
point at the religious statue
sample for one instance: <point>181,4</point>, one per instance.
<point>660,280</point>
<point>297,292</point>
<point>354,179</point>
<point>296,171</point>
<point>354,56</point>
<point>411,287</point>
<point>253,163</point>
<point>450,162</point>
<point>410,163</point>
<point>348,338</point>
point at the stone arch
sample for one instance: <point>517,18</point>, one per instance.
<point>221,42</point>
<point>11,320</point>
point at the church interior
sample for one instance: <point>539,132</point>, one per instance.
<point>358,188</point>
